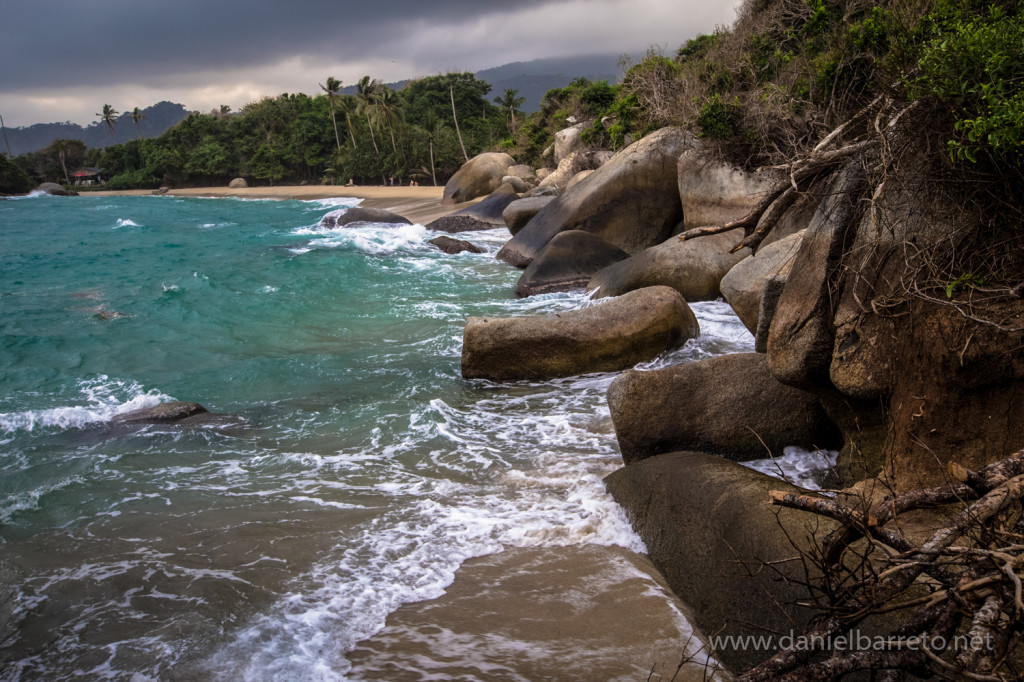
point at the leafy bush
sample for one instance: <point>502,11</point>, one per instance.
<point>13,180</point>
<point>976,63</point>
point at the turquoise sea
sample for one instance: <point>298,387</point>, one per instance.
<point>352,470</point>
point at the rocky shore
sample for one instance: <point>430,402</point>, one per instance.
<point>859,350</point>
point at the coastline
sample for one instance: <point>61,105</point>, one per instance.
<point>418,204</point>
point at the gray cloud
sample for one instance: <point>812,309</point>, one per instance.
<point>58,56</point>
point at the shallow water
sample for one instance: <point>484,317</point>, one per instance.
<point>355,470</point>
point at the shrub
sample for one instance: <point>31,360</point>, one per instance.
<point>13,180</point>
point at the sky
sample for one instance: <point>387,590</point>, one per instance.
<point>63,59</point>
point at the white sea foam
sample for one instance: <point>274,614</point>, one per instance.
<point>803,468</point>
<point>103,399</point>
<point>126,222</point>
<point>371,238</point>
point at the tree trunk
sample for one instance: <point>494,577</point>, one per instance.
<point>451,92</point>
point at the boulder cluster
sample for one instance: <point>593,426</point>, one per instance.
<point>900,389</point>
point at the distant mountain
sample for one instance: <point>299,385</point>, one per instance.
<point>534,78</point>
<point>158,118</point>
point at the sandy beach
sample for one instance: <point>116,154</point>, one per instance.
<point>418,204</point>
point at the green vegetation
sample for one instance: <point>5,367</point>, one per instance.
<point>13,180</point>
<point>370,137</point>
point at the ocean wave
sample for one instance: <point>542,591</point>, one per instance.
<point>126,222</point>
<point>104,399</point>
<point>374,239</point>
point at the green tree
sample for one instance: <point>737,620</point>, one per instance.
<point>266,164</point>
<point>331,87</point>
<point>386,112</point>
<point>430,125</point>
<point>137,116</point>
<point>109,116</point>
<point>509,102</point>
<point>366,93</point>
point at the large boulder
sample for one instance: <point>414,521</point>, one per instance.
<point>484,215</point>
<point>519,212</point>
<point>571,166</point>
<point>357,215</point>
<point>56,190</point>
<point>632,201</point>
<point>714,192</point>
<point>238,183</point>
<point>478,177</point>
<point>917,371</point>
<point>694,268</point>
<point>722,548</point>
<point>567,262</point>
<point>524,172</point>
<point>602,338</point>
<point>568,140</point>
<point>729,405</point>
<point>744,284</point>
<point>517,184</point>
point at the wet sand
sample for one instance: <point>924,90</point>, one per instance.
<point>563,613</point>
<point>418,204</point>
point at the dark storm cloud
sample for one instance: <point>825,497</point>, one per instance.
<point>55,44</point>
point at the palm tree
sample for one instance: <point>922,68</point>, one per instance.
<point>451,92</point>
<point>366,92</point>
<point>386,111</point>
<point>63,150</point>
<point>137,116</point>
<point>109,116</point>
<point>349,105</point>
<point>510,101</point>
<point>430,125</point>
<point>332,87</point>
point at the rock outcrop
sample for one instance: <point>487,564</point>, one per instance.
<point>709,529</point>
<point>744,284</point>
<point>694,268</point>
<point>485,215</point>
<point>729,405</point>
<point>567,262</point>
<point>521,211</point>
<point>478,177</point>
<point>56,190</point>
<point>347,217</point>
<point>238,183</point>
<point>714,192</point>
<point>571,166</point>
<point>632,201</point>
<point>602,338</point>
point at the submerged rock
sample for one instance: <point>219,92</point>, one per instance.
<point>730,405</point>
<point>163,413</point>
<point>345,217</point>
<point>453,246</point>
<point>602,338</point>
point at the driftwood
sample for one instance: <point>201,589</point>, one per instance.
<point>970,620</point>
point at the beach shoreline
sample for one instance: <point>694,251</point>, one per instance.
<point>418,204</point>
